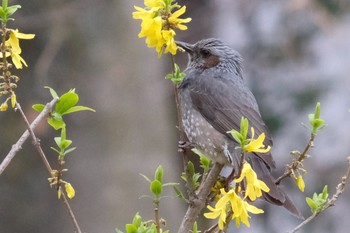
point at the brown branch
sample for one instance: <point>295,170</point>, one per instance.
<point>18,145</point>
<point>295,164</point>
<point>36,143</point>
<point>198,202</point>
<point>331,202</point>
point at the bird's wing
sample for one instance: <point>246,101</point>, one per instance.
<point>223,102</point>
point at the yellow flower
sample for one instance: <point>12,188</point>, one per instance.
<point>158,24</point>
<point>3,107</point>
<point>175,22</point>
<point>240,209</point>
<point>69,190</point>
<point>300,183</point>
<point>15,49</point>
<point>254,186</point>
<point>256,145</point>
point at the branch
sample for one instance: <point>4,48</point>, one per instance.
<point>296,163</point>
<point>36,143</point>
<point>18,146</point>
<point>331,202</point>
<point>198,202</point>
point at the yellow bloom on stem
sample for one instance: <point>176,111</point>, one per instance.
<point>300,183</point>
<point>15,49</point>
<point>3,107</point>
<point>175,22</point>
<point>158,24</point>
<point>219,211</point>
<point>69,190</point>
<point>257,145</point>
<point>240,209</point>
<point>254,186</point>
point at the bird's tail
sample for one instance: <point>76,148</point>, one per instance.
<point>276,195</point>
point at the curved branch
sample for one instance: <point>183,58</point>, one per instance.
<point>18,145</point>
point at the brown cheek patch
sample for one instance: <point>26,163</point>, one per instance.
<point>211,61</point>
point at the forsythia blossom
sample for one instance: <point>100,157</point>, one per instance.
<point>257,145</point>
<point>300,183</point>
<point>159,24</point>
<point>254,186</point>
<point>14,49</point>
<point>239,207</point>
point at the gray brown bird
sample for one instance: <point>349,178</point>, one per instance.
<point>213,99</point>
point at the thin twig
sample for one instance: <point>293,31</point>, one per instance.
<point>36,143</point>
<point>331,202</point>
<point>197,202</point>
<point>297,162</point>
<point>18,146</point>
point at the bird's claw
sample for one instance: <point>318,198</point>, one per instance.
<point>182,145</point>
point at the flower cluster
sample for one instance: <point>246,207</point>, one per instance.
<point>13,48</point>
<point>239,206</point>
<point>159,22</point>
<point>256,145</point>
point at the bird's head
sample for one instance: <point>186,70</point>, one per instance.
<point>212,53</point>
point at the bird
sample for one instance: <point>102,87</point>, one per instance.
<point>213,98</point>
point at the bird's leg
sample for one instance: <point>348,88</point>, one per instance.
<point>183,145</point>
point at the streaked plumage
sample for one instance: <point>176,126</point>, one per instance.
<point>213,98</point>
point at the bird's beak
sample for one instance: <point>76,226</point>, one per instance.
<point>186,46</point>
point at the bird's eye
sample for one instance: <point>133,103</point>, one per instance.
<point>205,53</point>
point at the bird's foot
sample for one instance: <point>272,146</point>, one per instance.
<point>183,145</point>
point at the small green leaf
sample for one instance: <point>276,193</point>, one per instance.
<point>66,101</point>
<point>56,123</point>
<point>58,152</point>
<point>195,228</point>
<point>12,9</point>
<point>130,228</point>
<point>190,168</point>
<point>311,203</point>
<point>77,109</point>
<point>137,220</point>
<point>179,193</point>
<point>146,178</point>
<point>158,175</point>
<point>156,187</point>
<point>69,150</point>
<point>65,144</point>
<point>38,107</point>
<point>244,127</point>
<point>118,231</point>
<point>325,193</point>
<point>52,92</point>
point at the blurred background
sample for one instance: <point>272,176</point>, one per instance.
<point>296,53</point>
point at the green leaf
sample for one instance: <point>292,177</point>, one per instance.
<point>58,152</point>
<point>77,109</point>
<point>58,141</point>
<point>56,123</point>
<point>312,204</point>
<point>179,193</point>
<point>118,231</point>
<point>158,175</point>
<point>12,9</point>
<point>156,187</point>
<point>66,101</point>
<point>205,163</point>
<point>69,150</point>
<point>137,220</point>
<point>244,127</point>
<point>146,178</point>
<point>195,228</point>
<point>130,228</point>
<point>325,193</point>
<point>52,92</point>
<point>65,144</point>
<point>38,107</point>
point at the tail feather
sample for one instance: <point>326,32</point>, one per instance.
<point>276,195</point>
